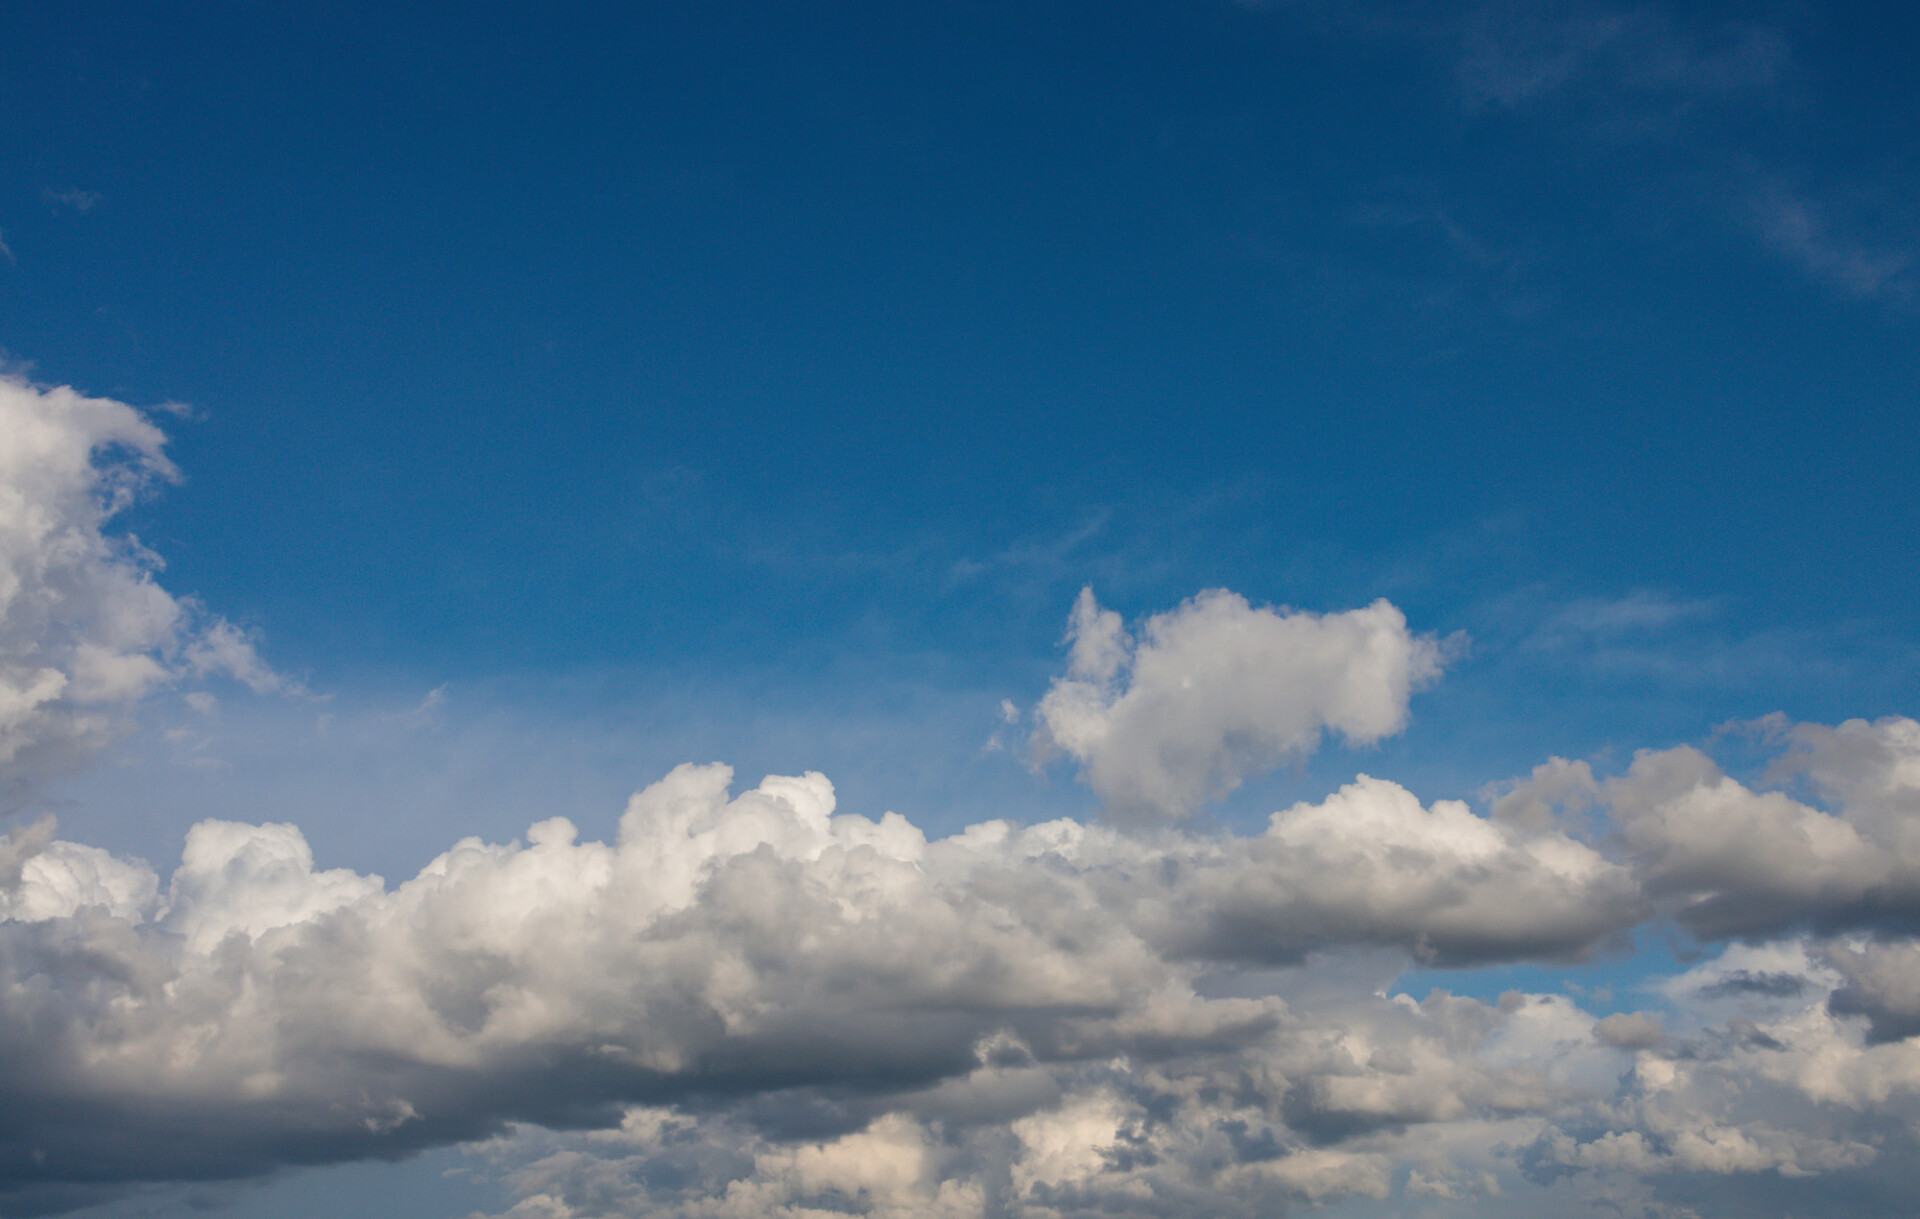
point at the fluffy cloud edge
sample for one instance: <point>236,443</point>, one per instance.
<point>86,630</point>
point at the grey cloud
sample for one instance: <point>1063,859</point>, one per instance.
<point>1201,1133</point>
<point>1760,1079</point>
<point>1522,1107</point>
<point>1747,982</point>
<point>1870,768</point>
<point>1630,1030</point>
<point>1556,792</point>
<point>1730,860</point>
<point>1882,984</point>
<point>1370,865</point>
<point>20,846</point>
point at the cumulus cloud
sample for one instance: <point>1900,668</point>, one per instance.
<point>755,1006</point>
<point>1759,1079</point>
<point>86,631</point>
<point>1525,1106</point>
<point>1218,691</point>
<point>723,946</point>
<point>1315,1110</point>
<point>1371,865</point>
<point>1733,860</point>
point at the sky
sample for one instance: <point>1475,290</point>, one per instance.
<point>782,610</point>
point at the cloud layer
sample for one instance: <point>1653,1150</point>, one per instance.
<point>761,1007</point>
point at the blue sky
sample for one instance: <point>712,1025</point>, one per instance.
<point>561,396</point>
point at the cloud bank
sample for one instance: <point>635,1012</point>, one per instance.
<point>756,1006</point>
<point>747,1004</point>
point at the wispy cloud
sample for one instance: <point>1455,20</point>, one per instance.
<point>1707,114</point>
<point>1811,237</point>
<point>1639,63</point>
<point>73,199</point>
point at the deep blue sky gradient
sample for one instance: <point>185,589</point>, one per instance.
<point>546,339</point>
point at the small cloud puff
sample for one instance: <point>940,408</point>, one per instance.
<point>1217,691</point>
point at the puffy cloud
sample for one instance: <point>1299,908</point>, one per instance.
<point>85,630</point>
<point>1241,1133</point>
<point>756,946</point>
<point>1732,860</point>
<point>1520,1107</point>
<point>1217,691</point>
<point>759,1006</point>
<point>1761,1078</point>
<point>1370,865</point>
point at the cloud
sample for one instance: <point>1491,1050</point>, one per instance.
<point>755,1005</point>
<point>73,198</point>
<point>1370,865</point>
<point>755,947</point>
<point>1630,1030</point>
<point>1194,1134</point>
<point>1830,250</point>
<point>1217,691</point>
<point>1526,1106</point>
<point>1882,984</point>
<point>86,631</point>
<point>1763,1079</point>
<point>1640,59</point>
<point>1731,860</point>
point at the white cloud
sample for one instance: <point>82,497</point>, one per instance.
<point>1371,865</point>
<point>801,1012</point>
<point>759,945</point>
<point>85,629</point>
<point>1218,691</point>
